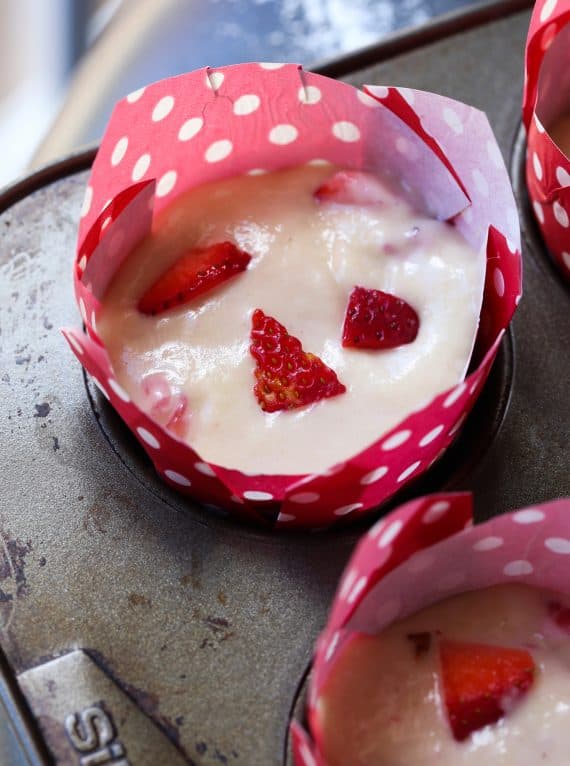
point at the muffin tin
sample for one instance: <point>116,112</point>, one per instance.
<point>193,633</point>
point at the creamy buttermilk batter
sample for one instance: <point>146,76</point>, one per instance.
<point>306,257</point>
<point>384,704</point>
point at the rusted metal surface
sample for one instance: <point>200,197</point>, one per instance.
<point>207,625</point>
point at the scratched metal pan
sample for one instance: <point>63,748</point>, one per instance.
<point>137,628</point>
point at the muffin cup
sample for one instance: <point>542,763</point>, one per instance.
<point>217,123</point>
<point>426,551</point>
<point>546,96</point>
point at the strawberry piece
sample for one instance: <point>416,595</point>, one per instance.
<point>378,320</point>
<point>287,377</point>
<point>481,683</point>
<point>193,274</point>
<point>352,187</point>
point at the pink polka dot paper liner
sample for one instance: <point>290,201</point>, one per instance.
<point>546,97</point>
<point>216,123</point>
<point>423,552</point>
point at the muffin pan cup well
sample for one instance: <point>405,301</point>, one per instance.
<point>205,625</point>
<point>444,150</point>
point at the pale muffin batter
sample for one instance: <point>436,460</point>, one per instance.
<point>383,704</point>
<point>307,256</point>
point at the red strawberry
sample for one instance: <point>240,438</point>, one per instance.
<point>194,273</point>
<point>481,683</point>
<point>352,187</point>
<point>378,320</point>
<point>287,377</point>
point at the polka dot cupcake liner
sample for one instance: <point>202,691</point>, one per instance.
<point>423,552</point>
<point>546,97</point>
<point>216,123</point>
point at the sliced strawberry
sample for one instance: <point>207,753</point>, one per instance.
<point>194,273</point>
<point>353,187</point>
<point>287,377</point>
<point>375,319</point>
<point>481,683</point>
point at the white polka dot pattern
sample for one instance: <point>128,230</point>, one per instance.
<point>390,533</point>
<point>214,80</point>
<point>87,200</point>
<point>101,387</point>
<point>246,104</point>
<point>455,395</point>
<point>118,390</point>
<point>356,589</point>
<point>436,511</point>
<point>499,282</point>
<point>494,154</point>
<point>547,9</point>
<point>307,756</point>
<point>562,176</point>
<point>346,131</point>
<point>518,568</point>
<point>407,472</point>
<point>217,123</point>
<point>396,440</point>
<point>537,166</point>
<point>166,183</point>
<point>283,134</point>
<point>75,344</point>
<point>219,150</point>
<point>528,516</point>
<point>162,108</point>
<point>177,478</point>
<point>148,437</point>
<point>257,495</point>
<point>481,182</point>
<point>548,168</point>
<point>190,128</point>
<point>453,120</point>
<point>560,545</point>
<point>204,469</point>
<point>430,436</point>
<point>141,166</point>
<point>309,95</point>
<point>375,475</point>
<point>344,510</point>
<point>561,215</point>
<point>304,497</point>
<point>367,99</point>
<point>488,543</point>
<point>135,95</point>
<point>119,151</point>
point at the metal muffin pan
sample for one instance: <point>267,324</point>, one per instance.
<point>138,626</point>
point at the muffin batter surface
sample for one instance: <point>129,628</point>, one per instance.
<point>307,256</point>
<point>383,704</point>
